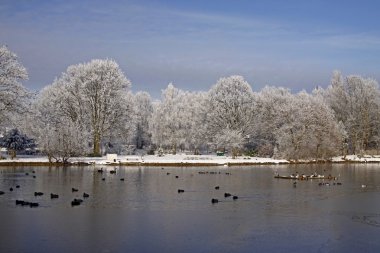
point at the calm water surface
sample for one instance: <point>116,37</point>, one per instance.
<point>145,213</point>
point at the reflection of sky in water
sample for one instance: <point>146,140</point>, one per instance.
<point>145,213</point>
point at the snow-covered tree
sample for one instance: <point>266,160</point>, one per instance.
<point>355,102</point>
<point>12,93</point>
<point>58,135</point>
<point>269,105</point>
<point>230,107</point>
<point>309,129</point>
<point>196,136</point>
<point>14,141</point>
<point>167,120</point>
<point>142,111</point>
<point>94,96</point>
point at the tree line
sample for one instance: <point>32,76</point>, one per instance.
<point>90,110</point>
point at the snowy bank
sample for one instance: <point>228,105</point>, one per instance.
<point>153,160</point>
<point>184,160</point>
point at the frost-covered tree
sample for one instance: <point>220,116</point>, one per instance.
<point>167,126</point>
<point>230,107</point>
<point>196,136</point>
<point>142,114</point>
<point>269,105</point>
<point>355,101</point>
<point>94,96</point>
<point>58,135</point>
<point>309,129</point>
<point>14,141</point>
<point>12,93</point>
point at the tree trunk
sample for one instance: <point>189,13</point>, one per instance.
<point>12,153</point>
<point>96,151</point>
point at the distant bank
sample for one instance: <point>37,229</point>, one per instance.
<point>181,160</point>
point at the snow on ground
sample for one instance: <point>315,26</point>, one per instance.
<point>182,159</point>
<point>153,159</point>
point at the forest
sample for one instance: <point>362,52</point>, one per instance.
<point>89,110</point>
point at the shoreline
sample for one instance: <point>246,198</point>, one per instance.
<point>183,161</point>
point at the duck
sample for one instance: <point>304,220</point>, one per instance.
<point>214,201</point>
<point>235,197</point>
<point>17,186</point>
<point>38,193</point>
<point>103,179</point>
<point>76,202</point>
<point>121,179</point>
<point>11,189</point>
<point>100,170</point>
<point>85,195</point>
<point>216,187</point>
<point>226,195</point>
<point>20,202</point>
<point>176,176</point>
<point>54,196</point>
<point>74,189</point>
<point>1,192</point>
<point>33,204</point>
<point>181,191</point>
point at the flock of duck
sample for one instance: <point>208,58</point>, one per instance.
<point>213,200</point>
<point>74,202</point>
<point>77,201</point>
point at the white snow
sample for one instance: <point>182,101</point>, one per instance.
<point>187,159</point>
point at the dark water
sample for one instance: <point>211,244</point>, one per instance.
<point>145,213</point>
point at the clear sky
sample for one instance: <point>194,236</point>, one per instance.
<point>294,44</point>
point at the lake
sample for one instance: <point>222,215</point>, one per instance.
<point>145,212</point>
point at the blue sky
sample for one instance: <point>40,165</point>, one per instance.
<point>294,44</point>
